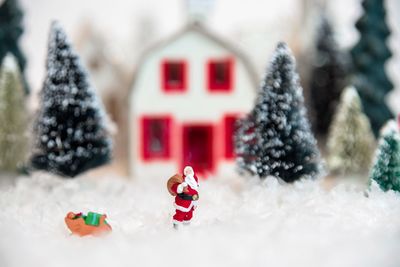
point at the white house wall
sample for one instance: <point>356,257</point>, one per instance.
<point>196,104</point>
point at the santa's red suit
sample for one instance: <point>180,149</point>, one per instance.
<point>186,198</point>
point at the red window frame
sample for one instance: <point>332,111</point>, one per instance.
<point>179,85</point>
<point>165,152</point>
<point>229,132</point>
<point>213,84</point>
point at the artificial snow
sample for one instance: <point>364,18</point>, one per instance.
<point>239,222</point>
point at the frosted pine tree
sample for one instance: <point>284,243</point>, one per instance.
<point>276,139</point>
<point>13,117</point>
<point>350,141</point>
<point>386,169</point>
<point>245,145</point>
<point>71,135</point>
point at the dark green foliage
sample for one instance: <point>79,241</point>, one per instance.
<point>245,145</point>
<point>386,170</point>
<point>275,139</point>
<point>369,57</point>
<point>327,78</point>
<point>10,31</point>
<point>71,137</point>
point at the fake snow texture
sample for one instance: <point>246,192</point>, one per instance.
<point>238,223</point>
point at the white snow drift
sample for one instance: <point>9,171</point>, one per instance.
<point>238,223</point>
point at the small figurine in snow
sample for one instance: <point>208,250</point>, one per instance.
<point>185,189</point>
<point>91,224</point>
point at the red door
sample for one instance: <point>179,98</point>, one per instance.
<point>198,148</point>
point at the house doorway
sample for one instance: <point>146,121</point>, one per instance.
<point>198,147</point>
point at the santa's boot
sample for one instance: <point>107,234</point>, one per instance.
<point>176,224</point>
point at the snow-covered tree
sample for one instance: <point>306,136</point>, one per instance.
<point>370,55</point>
<point>70,131</point>
<point>327,77</point>
<point>386,167</point>
<point>245,145</point>
<point>11,30</point>
<point>13,117</point>
<point>350,141</point>
<point>275,139</point>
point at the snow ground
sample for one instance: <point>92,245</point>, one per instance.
<point>238,223</point>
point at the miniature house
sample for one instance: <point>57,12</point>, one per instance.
<point>185,98</point>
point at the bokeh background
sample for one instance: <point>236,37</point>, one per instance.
<point>126,28</point>
<point>111,37</point>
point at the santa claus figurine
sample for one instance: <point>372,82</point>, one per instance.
<point>185,189</point>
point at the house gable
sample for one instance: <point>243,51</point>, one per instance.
<point>209,84</point>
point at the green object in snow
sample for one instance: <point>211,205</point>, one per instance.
<point>386,169</point>
<point>92,218</point>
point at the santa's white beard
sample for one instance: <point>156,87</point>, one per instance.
<point>189,179</point>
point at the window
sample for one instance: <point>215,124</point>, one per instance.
<point>156,137</point>
<point>173,75</point>
<point>220,75</point>
<point>230,126</point>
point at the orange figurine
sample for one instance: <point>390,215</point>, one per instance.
<point>91,224</point>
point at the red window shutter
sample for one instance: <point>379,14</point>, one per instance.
<point>229,125</point>
<point>156,133</point>
<point>173,75</point>
<point>220,75</point>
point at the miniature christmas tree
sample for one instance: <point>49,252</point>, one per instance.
<point>276,139</point>
<point>245,145</point>
<point>71,135</point>
<point>13,117</point>
<point>386,169</point>
<point>369,57</point>
<point>10,31</point>
<point>327,78</point>
<point>350,139</point>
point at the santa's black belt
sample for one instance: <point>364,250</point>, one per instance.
<point>188,197</point>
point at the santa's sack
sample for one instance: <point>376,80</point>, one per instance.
<point>177,178</point>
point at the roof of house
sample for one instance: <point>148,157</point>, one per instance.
<point>199,28</point>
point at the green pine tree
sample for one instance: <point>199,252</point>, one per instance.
<point>276,139</point>
<point>71,135</point>
<point>10,31</point>
<point>386,168</point>
<point>327,77</point>
<point>350,140</point>
<point>369,57</point>
<point>13,118</point>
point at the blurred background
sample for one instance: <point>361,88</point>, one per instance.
<point>112,36</point>
<point>122,29</point>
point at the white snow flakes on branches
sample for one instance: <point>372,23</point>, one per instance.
<point>275,138</point>
<point>71,133</point>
